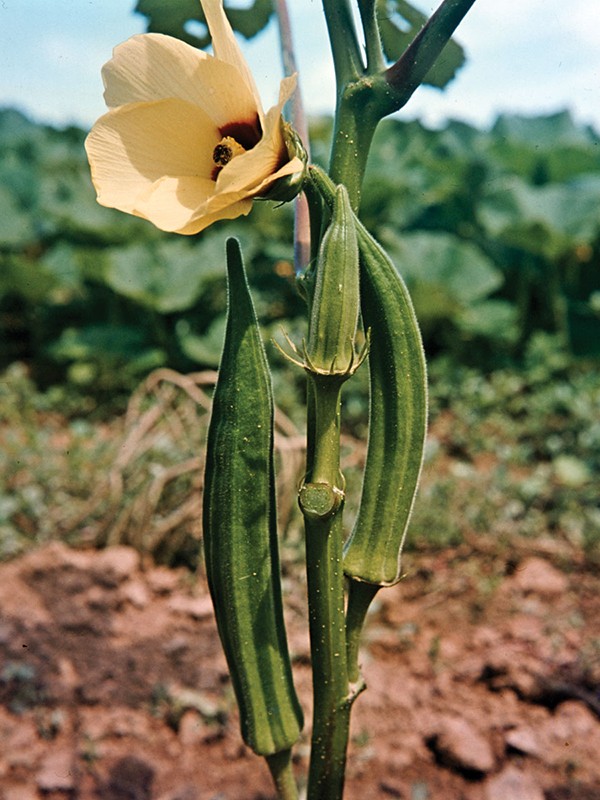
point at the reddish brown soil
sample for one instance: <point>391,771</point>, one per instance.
<point>482,671</point>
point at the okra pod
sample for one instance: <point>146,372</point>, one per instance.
<point>334,310</point>
<point>240,529</point>
<point>397,420</point>
<point>397,412</point>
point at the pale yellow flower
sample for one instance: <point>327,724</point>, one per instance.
<point>186,141</point>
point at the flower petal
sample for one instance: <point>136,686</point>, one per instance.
<point>169,203</point>
<point>152,67</point>
<point>182,205</point>
<point>131,147</point>
<point>252,169</point>
<point>225,45</point>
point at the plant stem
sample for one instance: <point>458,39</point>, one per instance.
<point>325,578</point>
<point>345,50</point>
<point>280,765</point>
<point>407,73</point>
<point>331,718</point>
<point>298,118</point>
<point>368,16</point>
<point>364,99</point>
<point>354,128</point>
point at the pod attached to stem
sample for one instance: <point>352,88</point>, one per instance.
<point>397,412</point>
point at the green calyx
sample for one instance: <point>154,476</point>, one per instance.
<point>290,186</point>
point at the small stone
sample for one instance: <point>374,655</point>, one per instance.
<point>514,784</point>
<point>136,593</point>
<point>54,555</point>
<point>573,721</point>
<point>525,627</point>
<point>68,676</point>
<point>198,701</point>
<point>524,740</point>
<point>116,564</point>
<point>460,745</point>
<point>196,607</point>
<point>485,636</point>
<point>539,577</point>
<point>56,772</point>
<point>19,792</point>
<point>162,580</point>
<point>191,728</point>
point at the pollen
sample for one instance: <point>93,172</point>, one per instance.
<point>227,149</point>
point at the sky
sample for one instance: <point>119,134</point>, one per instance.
<point>524,56</point>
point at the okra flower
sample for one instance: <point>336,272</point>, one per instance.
<point>186,141</point>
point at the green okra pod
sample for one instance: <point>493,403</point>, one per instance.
<point>397,412</point>
<point>397,420</point>
<point>240,529</point>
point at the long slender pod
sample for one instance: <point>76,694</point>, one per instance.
<point>397,414</point>
<point>397,419</point>
<point>240,529</point>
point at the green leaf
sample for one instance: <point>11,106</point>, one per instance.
<point>492,319</point>
<point>544,132</point>
<point>22,276</point>
<point>205,350</point>
<point>399,23</point>
<point>458,270</point>
<point>184,19</point>
<point>16,128</point>
<point>166,276</point>
<point>105,341</point>
<point>546,220</point>
<point>16,226</point>
<point>62,263</point>
<point>544,149</point>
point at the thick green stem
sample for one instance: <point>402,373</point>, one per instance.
<point>280,765</point>
<point>368,16</point>
<point>325,578</point>
<point>325,464</point>
<point>345,49</point>
<point>364,98</point>
<point>408,72</point>
<point>354,128</point>
<point>331,718</point>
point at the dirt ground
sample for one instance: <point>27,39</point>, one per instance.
<point>483,673</point>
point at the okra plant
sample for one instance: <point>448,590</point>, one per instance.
<point>185,143</point>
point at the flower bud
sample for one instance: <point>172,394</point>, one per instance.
<point>334,314</point>
<point>287,187</point>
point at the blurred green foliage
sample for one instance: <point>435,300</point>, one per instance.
<point>185,19</point>
<point>497,234</point>
<point>511,456</point>
<point>98,298</point>
<point>399,24</point>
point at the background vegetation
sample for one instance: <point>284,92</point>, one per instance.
<point>498,236</point>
